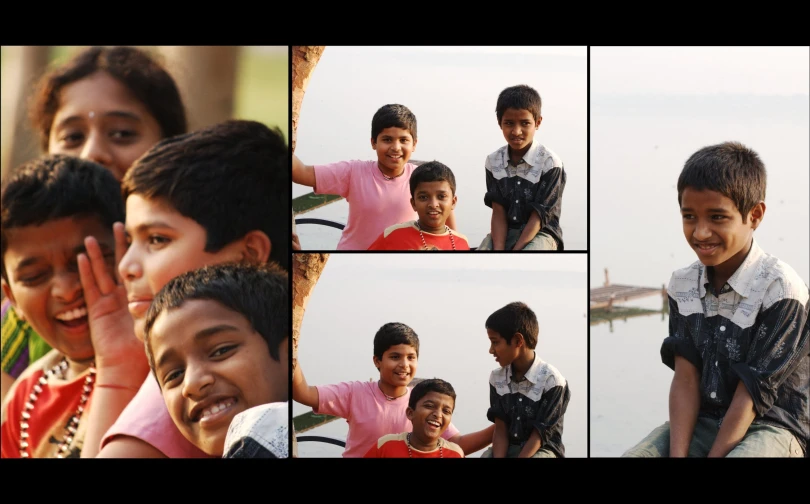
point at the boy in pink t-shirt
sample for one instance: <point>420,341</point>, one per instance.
<point>374,409</point>
<point>378,192</point>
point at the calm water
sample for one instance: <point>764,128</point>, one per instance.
<point>453,93</point>
<point>446,299</point>
<point>638,147</point>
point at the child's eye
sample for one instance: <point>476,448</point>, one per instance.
<point>718,217</point>
<point>219,352</point>
<point>126,135</point>
<point>688,216</point>
<point>171,376</point>
<point>33,279</point>
<point>71,139</point>
<point>158,240</point>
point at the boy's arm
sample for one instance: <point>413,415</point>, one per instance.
<point>498,227</point>
<point>529,232</point>
<point>500,444</point>
<point>548,199</point>
<point>474,441</point>
<point>738,419</point>
<point>533,444</point>
<point>121,365</point>
<point>303,393</point>
<point>301,173</point>
<point>684,404</point>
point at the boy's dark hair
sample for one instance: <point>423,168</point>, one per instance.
<point>730,168</point>
<point>231,178</point>
<point>421,389</point>
<point>432,171</point>
<point>392,334</point>
<point>259,292</point>
<point>147,80</point>
<point>521,97</point>
<point>393,116</point>
<point>58,186</point>
<point>514,318</point>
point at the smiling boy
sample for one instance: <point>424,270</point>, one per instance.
<point>49,206</point>
<point>217,342</point>
<point>377,191</point>
<point>433,197</point>
<point>528,397</point>
<point>430,409</point>
<point>738,334</point>
<point>525,180</point>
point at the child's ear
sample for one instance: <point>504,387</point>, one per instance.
<point>256,247</point>
<point>415,141</point>
<point>10,296</point>
<point>518,340</point>
<point>409,413</point>
<point>376,362</point>
<point>455,200</point>
<point>756,214</point>
<point>539,120</point>
<point>413,205</point>
<point>374,143</point>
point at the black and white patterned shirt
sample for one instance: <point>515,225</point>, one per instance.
<point>537,402</point>
<point>535,185</point>
<point>755,330</point>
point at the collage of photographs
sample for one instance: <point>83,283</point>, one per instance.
<point>321,252</point>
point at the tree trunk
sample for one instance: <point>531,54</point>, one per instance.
<point>306,269</point>
<point>304,59</point>
<point>24,66</point>
<point>206,77</point>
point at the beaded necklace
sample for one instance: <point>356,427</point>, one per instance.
<point>73,425</point>
<point>446,227</point>
<point>438,443</point>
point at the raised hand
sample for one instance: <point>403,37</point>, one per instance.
<point>111,325</point>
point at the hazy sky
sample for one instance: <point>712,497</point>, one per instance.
<point>700,70</point>
<point>544,50</point>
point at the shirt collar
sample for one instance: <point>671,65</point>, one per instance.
<point>742,279</point>
<point>532,373</point>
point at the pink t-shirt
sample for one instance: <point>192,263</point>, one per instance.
<point>147,418</point>
<point>369,414</point>
<point>374,202</point>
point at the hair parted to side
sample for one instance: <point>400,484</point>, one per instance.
<point>139,71</point>
<point>393,116</point>
<point>231,178</point>
<point>514,318</point>
<point>521,97</point>
<point>422,388</point>
<point>258,292</point>
<point>392,334</point>
<point>730,168</point>
<point>57,186</point>
<point>432,171</point>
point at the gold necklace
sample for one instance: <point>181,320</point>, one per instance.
<point>388,397</point>
<point>73,425</point>
<point>446,227</point>
<point>438,445</point>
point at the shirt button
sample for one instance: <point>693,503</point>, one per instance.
<point>722,328</point>
<point>713,395</point>
<point>518,418</point>
<point>520,399</point>
<point>516,201</point>
<point>515,435</point>
<point>715,363</point>
<point>514,218</point>
<point>518,182</point>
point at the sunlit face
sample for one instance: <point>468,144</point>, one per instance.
<point>43,279</point>
<point>714,228</point>
<point>398,365</point>
<point>431,417</point>
<point>504,352</point>
<point>101,120</point>
<point>394,148</point>
<point>163,245</point>
<point>211,365</point>
<point>433,202</point>
<point>518,127</point>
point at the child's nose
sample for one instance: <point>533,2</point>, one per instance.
<point>702,231</point>
<point>67,286</point>
<point>196,380</point>
<point>129,268</point>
